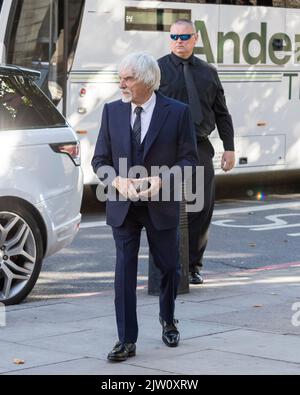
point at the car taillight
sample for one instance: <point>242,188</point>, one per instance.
<point>82,92</point>
<point>70,149</point>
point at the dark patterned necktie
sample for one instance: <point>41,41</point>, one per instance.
<point>193,96</point>
<point>137,126</point>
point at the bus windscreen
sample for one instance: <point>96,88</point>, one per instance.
<point>153,19</point>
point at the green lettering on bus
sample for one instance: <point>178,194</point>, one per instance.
<point>221,43</point>
<point>262,39</point>
<point>206,49</point>
<point>287,47</point>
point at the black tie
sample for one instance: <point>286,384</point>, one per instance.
<point>137,126</point>
<point>193,96</point>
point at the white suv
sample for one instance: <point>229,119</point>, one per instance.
<point>40,182</point>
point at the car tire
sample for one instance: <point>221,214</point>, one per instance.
<point>21,252</point>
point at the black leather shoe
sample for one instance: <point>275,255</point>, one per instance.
<point>170,333</point>
<point>121,352</point>
<point>196,278</point>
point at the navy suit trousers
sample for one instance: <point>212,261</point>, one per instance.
<point>164,246</point>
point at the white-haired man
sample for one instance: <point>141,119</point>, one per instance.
<point>148,130</point>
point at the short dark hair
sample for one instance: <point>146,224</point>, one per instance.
<point>185,21</point>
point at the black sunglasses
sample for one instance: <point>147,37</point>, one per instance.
<point>183,37</point>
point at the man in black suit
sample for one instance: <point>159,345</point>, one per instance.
<point>195,82</point>
<point>149,130</point>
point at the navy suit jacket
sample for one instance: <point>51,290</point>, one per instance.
<point>170,141</point>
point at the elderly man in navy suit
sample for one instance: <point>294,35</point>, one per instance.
<point>150,130</point>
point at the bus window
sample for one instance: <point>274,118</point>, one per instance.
<point>292,3</point>
<point>153,19</point>
<point>35,39</point>
<point>189,1</point>
<point>264,3</point>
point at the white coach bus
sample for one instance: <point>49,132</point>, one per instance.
<point>255,45</point>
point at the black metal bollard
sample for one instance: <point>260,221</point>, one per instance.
<point>154,275</point>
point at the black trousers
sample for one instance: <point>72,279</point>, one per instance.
<point>199,222</point>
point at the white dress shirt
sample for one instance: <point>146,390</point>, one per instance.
<point>146,115</point>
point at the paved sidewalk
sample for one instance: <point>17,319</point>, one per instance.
<point>239,323</point>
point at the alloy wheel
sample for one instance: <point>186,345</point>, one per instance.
<point>18,254</point>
